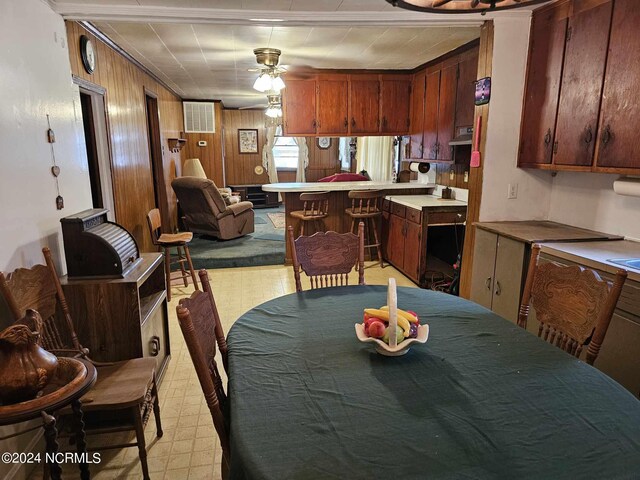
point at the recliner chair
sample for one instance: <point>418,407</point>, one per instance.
<point>205,211</point>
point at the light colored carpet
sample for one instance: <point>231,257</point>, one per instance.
<point>278,219</point>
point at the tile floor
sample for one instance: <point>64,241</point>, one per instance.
<point>189,448</point>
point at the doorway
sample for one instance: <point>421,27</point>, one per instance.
<point>155,156</point>
<point>96,135</point>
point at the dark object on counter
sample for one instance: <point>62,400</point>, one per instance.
<point>25,367</point>
<point>446,193</point>
<point>364,174</point>
<point>424,167</point>
<point>404,176</point>
<point>96,247</point>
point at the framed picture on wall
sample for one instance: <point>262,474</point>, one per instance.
<point>248,140</point>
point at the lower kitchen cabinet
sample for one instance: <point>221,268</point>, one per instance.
<point>498,269</point>
<point>123,318</point>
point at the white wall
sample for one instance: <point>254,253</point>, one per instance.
<point>35,80</point>
<point>510,49</point>
<point>587,200</point>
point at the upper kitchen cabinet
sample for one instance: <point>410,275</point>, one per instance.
<point>430,122</point>
<point>447,111</point>
<point>465,94</point>
<point>332,105</point>
<point>416,130</point>
<point>364,104</point>
<point>542,90</point>
<point>395,98</point>
<point>299,107</point>
<point>618,137</point>
<point>583,74</point>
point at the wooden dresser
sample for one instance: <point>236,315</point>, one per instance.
<point>123,318</point>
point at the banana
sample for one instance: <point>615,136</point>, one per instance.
<point>384,315</point>
<point>406,315</point>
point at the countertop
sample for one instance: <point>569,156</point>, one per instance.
<point>421,201</point>
<point>597,254</point>
<point>341,186</point>
<point>543,231</point>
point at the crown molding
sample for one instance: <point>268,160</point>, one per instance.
<point>155,14</point>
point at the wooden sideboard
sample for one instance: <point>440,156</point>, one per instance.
<point>123,318</point>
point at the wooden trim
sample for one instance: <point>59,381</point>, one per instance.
<point>475,174</point>
<point>87,85</point>
<point>110,43</point>
<point>453,53</point>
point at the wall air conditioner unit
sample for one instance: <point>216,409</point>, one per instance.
<point>199,117</point>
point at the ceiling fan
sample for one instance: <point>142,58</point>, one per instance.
<point>269,78</point>
<point>461,6</point>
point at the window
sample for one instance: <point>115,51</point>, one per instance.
<point>285,153</point>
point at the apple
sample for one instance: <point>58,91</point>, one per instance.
<point>376,329</point>
<point>368,321</point>
<point>399,335</point>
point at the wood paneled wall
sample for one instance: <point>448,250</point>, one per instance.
<point>131,172</point>
<point>211,155</point>
<point>322,162</point>
<point>239,167</point>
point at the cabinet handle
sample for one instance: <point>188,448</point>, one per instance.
<point>155,346</point>
<point>498,288</point>
<point>606,135</point>
<point>588,136</point>
<point>555,146</point>
<point>346,122</point>
<point>487,283</point>
<point>384,121</point>
<point>353,122</point>
<point>547,138</point>
<point>314,124</point>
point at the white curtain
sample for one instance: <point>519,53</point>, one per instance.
<point>303,159</point>
<point>344,154</point>
<point>375,155</point>
<point>268,162</point>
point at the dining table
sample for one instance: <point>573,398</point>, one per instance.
<point>481,399</point>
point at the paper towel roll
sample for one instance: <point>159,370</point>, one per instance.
<point>627,186</point>
<point>413,166</point>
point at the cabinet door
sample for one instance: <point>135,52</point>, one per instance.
<point>333,107</point>
<point>484,262</point>
<point>582,78</point>
<point>431,99</point>
<point>396,241</point>
<point>385,235</point>
<point>465,93</point>
<point>394,105</point>
<point>446,111</point>
<point>417,114</point>
<point>507,286</point>
<point>546,54</point>
<point>299,107</point>
<point>412,242</point>
<point>364,100</point>
<point>618,130</point>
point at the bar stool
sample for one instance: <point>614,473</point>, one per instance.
<point>365,207</point>
<point>314,209</point>
<point>166,241</point>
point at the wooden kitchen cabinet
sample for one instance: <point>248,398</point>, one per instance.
<point>364,104</point>
<point>416,130</point>
<point>542,89</point>
<point>446,111</point>
<point>332,106</point>
<point>498,267</point>
<point>431,99</point>
<point>299,107</point>
<point>583,74</point>
<point>620,111</point>
<point>395,99</point>
<point>123,318</point>
<point>465,92</point>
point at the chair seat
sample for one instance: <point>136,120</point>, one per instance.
<point>300,214</point>
<point>175,239</point>
<point>355,214</point>
<point>121,385</point>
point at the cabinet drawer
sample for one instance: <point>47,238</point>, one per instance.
<point>385,205</point>
<point>398,210</point>
<point>153,336</point>
<point>414,215</point>
<point>446,218</point>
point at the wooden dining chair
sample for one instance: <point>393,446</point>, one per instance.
<point>202,330</point>
<point>573,304</point>
<point>365,207</point>
<point>327,257</point>
<point>127,389</point>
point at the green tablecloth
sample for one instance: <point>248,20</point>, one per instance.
<point>481,399</point>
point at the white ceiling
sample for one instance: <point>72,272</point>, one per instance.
<point>203,48</point>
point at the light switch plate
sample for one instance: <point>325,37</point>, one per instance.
<point>513,191</point>
<point>202,143</point>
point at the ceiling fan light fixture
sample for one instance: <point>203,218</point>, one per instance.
<point>273,111</point>
<point>263,83</point>
<point>277,83</point>
<point>462,6</point>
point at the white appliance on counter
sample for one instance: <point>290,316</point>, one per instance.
<point>426,174</point>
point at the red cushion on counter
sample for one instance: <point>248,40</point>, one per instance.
<point>344,177</point>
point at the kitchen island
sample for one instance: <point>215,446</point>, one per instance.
<point>337,220</point>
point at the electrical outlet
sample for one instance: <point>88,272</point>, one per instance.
<point>466,177</point>
<point>513,191</point>
<point>452,174</point>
